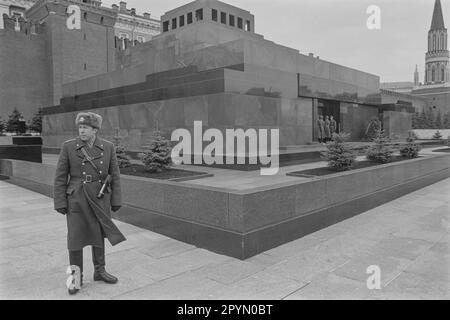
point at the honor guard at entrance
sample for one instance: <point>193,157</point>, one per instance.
<point>86,189</point>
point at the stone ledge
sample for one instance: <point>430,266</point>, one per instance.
<point>244,223</point>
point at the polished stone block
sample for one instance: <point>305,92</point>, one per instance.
<point>310,196</point>
<point>396,124</point>
<point>201,205</point>
<point>259,207</point>
<point>143,193</point>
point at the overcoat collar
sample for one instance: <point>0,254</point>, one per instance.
<point>97,143</point>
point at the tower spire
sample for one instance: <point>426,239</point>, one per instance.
<point>437,22</point>
<point>437,57</point>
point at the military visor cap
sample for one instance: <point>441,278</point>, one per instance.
<point>89,119</point>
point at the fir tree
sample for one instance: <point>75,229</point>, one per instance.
<point>372,128</point>
<point>422,122</point>
<point>340,156</point>
<point>14,121</point>
<point>438,121</point>
<point>429,119</point>
<point>446,121</point>
<point>2,126</point>
<point>416,120</point>
<point>437,136</point>
<point>158,155</point>
<point>123,160</point>
<point>36,121</point>
<point>411,149</point>
<point>381,151</point>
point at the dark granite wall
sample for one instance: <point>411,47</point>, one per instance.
<point>221,111</point>
<point>355,118</point>
<point>396,124</point>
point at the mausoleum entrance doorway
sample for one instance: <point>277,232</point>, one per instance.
<point>330,108</point>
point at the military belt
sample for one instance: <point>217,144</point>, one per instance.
<point>89,179</point>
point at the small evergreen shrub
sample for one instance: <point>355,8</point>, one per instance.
<point>16,123</point>
<point>2,126</point>
<point>380,152</point>
<point>158,156</point>
<point>411,149</point>
<point>412,135</point>
<point>123,160</point>
<point>340,155</point>
<point>36,121</point>
<point>437,136</point>
<point>372,128</point>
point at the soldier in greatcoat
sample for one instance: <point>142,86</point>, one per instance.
<point>326,128</point>
<point>85,165</point>
<point>320,129</point>
<point>333,126</point>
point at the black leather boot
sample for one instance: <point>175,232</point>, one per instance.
<point>76,259</point>
<point>100,274</point>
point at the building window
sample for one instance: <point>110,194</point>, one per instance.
<point>101,20</point>
<point>165,26</point>
<point>223,17</point>
<point>240,23</point>
<point>199,14</point>
<point>189,18</point>
<point>434,42</point>
<point>181,21</point>
<point>443,75</point>
<point>433,73</point>
<point>232,20</point>
<point>85,16</point>
<point>85,66</point>
<point>248,26</point>
<point>214,14</point>
<point>174,23</point>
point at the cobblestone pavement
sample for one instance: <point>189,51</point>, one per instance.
<point>407,238</point>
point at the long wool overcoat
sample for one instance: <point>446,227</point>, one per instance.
<point>320,129</point>
<point>326,128</point>
<point>88,218</point>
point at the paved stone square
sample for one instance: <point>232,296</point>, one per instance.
<point>407,238</point>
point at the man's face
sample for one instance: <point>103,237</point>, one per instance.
<point>86,132</point>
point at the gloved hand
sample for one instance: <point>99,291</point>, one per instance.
<point>115,208</point>
<point>62,210</point>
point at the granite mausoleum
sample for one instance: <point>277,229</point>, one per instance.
<point>209,65</point>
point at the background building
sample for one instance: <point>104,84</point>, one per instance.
<point>14,8</point>
<point>436,87</point>
<point>129,25</point>
<point>437,75</point>
<point>38,54</point>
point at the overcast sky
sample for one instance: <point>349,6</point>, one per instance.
<point>336,30</point>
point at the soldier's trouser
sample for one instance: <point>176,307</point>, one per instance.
<point>76,259</point>
<point>98,258</point>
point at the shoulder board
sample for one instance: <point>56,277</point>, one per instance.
<point>106,141</point>
<point>69,142</point>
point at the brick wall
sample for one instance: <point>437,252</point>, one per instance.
<point>78,54</point>
<point>24,78</point>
